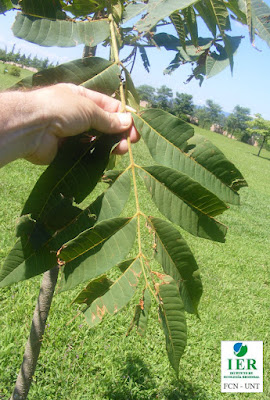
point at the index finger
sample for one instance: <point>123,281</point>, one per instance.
<point>105,102</point>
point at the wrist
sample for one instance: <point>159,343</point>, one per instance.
<point>22,124</point>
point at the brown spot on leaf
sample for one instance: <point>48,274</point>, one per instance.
<point>60,262</point>
<point>159,275</point>
<point>101,311</point>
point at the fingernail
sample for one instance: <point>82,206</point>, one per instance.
<point>131,109</point>
<point>125,118</point>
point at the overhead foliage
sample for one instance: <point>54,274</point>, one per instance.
<point>190,180</point>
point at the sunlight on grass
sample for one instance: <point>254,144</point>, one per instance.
<point>7,80</point>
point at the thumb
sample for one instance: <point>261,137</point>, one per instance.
<point>107,122</point>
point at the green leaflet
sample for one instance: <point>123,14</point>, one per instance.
<point>178,23</point>
<point>239,8</point>
<point>144,313</point>
<point>221,16</point>
<point>172,316</point>
<point>131,95</point>
<point>141,314</point>
<point>117,296</point>
<point>132,10</point>
<point>207,14</point>
<point>96,288</point>
<point>160,9</point>
<point>249,20</point>
<point>114,200</point>
<point>220,13</point>
<point>215,62</point>
<point>83,7</point>
<point>43,8</point>
<point>93,73</point>
<point>74,173</point>
<point>260,12</point>
<point>5,5</point>
<point>185,202</point>
<point>191,24</point>
<point>90,238</point>
<point>177,260</point>
<point>18,267</point>
<point>35,251</point>
<point>145,59</point>
<point>46,32</point>
<point>102,257</point>
<point>166,138</point>
<point>212,159</point>
<point>155,124</point>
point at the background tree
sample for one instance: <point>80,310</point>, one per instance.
<point>261,127</point>
<point>236,122</point>
<point>203,117</point>
<point>163,98</point>
<point>183,104</point>
<point>147,93</point>
<point>215,111</point>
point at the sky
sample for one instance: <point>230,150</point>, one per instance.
<point>249,86</point>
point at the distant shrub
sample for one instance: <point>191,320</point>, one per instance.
<point>14,71</point>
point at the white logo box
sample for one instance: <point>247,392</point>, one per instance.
<point>241,366</point>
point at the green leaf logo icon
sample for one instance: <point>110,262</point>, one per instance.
<point>240,350</point>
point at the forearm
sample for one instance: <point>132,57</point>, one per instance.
<point>21,124</point>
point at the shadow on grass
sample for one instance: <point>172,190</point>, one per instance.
<point>264,158</point>
<point>138,384</point>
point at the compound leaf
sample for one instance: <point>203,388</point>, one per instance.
<point>172,316</point>
<point>117,296</point>
<point>177,260</point>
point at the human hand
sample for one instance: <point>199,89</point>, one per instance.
<point>69,110</point>
<point>34,123</point>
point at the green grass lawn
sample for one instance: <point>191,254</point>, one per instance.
<point>82,364</point>
<point>7,80</point>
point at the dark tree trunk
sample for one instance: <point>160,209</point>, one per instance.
<point>33,345</point>
<point>261,146</point>
<point>89,51</point>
